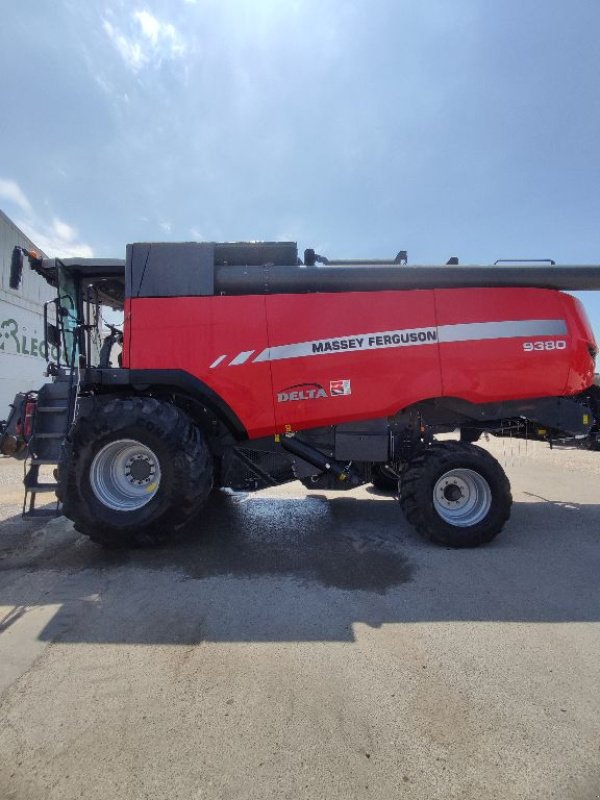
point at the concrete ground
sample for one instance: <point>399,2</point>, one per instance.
<point>308,646</point>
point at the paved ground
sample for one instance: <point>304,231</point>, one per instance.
<point>308,646</point>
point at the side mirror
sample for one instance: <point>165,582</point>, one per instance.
<point>16,268</point>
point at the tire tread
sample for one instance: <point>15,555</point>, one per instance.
<point>190,457</point>
<point>416,490</point>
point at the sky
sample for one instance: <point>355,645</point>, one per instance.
<point>357,127</point>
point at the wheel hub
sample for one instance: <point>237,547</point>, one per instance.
<point>139,469</point>
<point>125,475</point>
<point>462,497</point>
<point>452,493</point>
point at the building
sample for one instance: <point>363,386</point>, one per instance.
<point>22,345</point>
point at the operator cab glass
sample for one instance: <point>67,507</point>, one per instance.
<point>68,313</point>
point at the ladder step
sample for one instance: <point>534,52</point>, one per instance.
<point>48,436</point>
<point>37,462</point>
<point>41,512</point>
<point>36,488</point>
<point>52,409</point>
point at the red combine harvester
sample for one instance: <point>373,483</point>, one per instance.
<point>243,367</point>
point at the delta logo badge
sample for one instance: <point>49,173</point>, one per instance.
<point>313,391</point>
<point>340,388</point>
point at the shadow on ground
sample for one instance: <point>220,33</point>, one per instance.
<point>17,533</point>
<point>293,569</point>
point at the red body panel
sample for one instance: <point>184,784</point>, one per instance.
<point>499,368</point>
<point>581,364</point>
<point>310,360</point>
<point>378,378</point>
<point>189,333</point>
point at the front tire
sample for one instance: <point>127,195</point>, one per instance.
<point>134,472</point>
<point>456,494</point>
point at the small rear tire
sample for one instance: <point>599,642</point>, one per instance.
<point>134,472</point>
<point>455,494</point>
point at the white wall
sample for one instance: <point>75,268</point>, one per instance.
<point>22,365</point>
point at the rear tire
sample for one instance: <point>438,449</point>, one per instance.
<point>455,494</point>
<point>134,472</point>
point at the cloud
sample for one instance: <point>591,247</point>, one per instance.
<point>10,190</point>
<point>149,43</point>
<point>54,237</point>
<point>130,51</point>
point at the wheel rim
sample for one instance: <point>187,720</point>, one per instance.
<point>125,475</point>
<point>462,497</point>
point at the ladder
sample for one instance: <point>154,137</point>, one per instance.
<point>50,427</point>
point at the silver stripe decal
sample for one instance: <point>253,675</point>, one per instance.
<point>444,334</point>
<point>476,331</point>
<point>409,337</point>
<point>341,344</point>
<point>241,358</point>
<point>217,361</point>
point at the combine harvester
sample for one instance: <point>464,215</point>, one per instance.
<point>243,367</point>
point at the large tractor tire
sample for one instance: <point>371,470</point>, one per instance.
<point>455,494</point>
<point>384,478</point>
<point>134,472</point>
